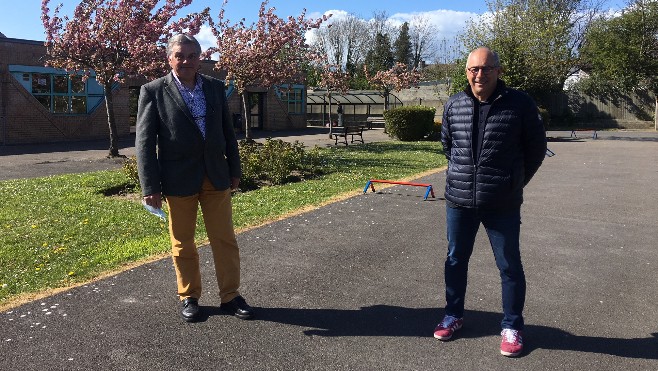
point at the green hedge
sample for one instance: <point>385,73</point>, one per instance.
<point>276,162</point>
<point>269,163</point>
<point>409,123</point>
<point>545,116</point>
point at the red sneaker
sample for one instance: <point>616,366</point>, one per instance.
<point>512,343</point>
<point>447,327</point>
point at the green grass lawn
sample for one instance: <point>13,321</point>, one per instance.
<point>66,229</point>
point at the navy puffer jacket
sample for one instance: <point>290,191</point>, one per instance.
<point>513,148</point>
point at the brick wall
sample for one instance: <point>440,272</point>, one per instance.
<point>24,120</point>
<point>277,116</point>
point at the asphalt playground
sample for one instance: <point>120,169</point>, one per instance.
<point>358,285</point>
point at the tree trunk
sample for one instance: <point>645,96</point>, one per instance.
<point>109,105</point>
<point>387,94</point>
<point>247,126</point>
<point>331,124</point>
<point>655,114</point>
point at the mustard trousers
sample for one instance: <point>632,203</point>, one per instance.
<point>217,216</point>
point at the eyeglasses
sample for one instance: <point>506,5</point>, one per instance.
<point>485,70</point>
<point>181,57</point>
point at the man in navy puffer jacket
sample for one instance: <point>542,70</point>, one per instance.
<point>495,141</point>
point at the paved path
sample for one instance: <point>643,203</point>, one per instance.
<point>35,160</point>
<point>357,285</point>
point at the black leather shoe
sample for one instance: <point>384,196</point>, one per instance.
<point>238,307</point>
<point>191,309</point>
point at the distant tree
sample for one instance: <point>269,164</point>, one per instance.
<point>330,77</point>
<point>358,79</point>
<point>537,40</point>
<point>353,42</point>
<point>113,40</point>
<point>423,40</point>
<point>270,52</point>
<point>402,46</point>
<point>338,38</point>
<point>379,24</point>
<point>380,58</point>
<point>396,78</point>
<point>458,80</point>
<point>621,53</point>
<point>356,54</point>
<point>444,68</point>
<point>345,42</point>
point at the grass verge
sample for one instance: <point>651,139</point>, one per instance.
<point>63,230</point>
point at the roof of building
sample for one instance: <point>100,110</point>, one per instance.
<point>2,35</point>
<point>353,97</point>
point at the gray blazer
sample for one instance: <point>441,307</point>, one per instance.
<point>172,155</point>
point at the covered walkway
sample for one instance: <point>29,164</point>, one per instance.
<point>358,105</point>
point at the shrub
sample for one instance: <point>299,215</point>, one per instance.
<point>269,163</point>
<point>251,164</point>
<point>409,123</point>
<point>435,134</point>
<point>276,162</point>
<point>545,116</point>
<point>130,169</point>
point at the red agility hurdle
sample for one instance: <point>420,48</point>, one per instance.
<point>429,190</point>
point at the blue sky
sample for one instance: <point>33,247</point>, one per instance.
<point>22,20</point>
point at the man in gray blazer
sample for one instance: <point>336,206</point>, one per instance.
<point>187,152</point>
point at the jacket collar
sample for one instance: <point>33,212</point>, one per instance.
<point>501,88</point>
<point>174,93</point>
<point>172,89</point>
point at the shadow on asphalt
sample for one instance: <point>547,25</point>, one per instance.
<point>564,139</point>
<point>387,320</point>
<point>628,138</point>
<point>280,134</point>
<point>553,338</point>
<point>632,139</point>
<point>88,145</point>
<point>420,195</point>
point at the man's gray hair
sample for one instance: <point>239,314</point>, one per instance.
<point>182,39</point>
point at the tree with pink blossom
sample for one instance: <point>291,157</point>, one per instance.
<point>269,52</point>
<point>115,39</point>
<point>330,77</point>
<point>396,78</point>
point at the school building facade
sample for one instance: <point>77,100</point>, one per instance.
<point>41,104</point>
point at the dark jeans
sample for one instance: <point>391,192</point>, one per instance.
<point>503,228</point>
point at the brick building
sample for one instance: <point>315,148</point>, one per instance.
<point>41,104</point>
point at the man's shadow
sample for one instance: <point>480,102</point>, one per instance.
<point>386,320</point>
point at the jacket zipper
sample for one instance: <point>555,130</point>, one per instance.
<point>476,164</point>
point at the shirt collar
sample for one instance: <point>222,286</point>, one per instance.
<point>500,89</point>
<point>198,83</point>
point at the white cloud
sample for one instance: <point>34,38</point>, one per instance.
<point>335,14</point>
<point>206,38</point>
<point>448,23</point>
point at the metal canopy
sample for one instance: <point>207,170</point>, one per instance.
<point>353,97</point>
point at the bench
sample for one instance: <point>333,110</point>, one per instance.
<point>594,133</point>
<point>370,182</point>
<point>351,130</point>
<point>315,122</point>
<point>375,120</point>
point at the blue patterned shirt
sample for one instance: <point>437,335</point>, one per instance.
<point>195,101</point>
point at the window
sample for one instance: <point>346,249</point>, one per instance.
<point>293,95</point>
<point>59,92</point>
